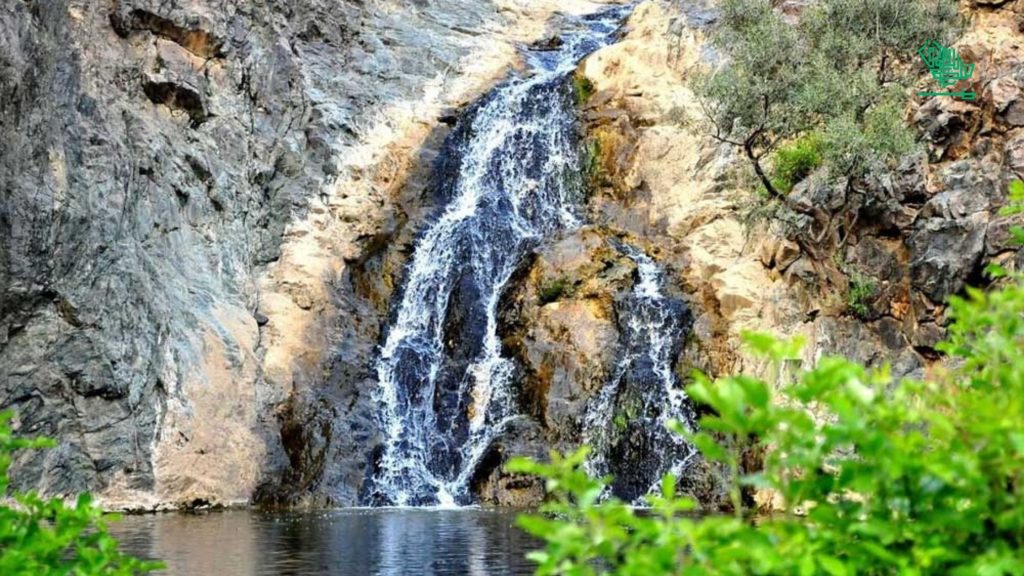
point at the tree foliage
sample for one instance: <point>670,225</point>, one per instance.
<point>842,70</point>
<point>46,537</point>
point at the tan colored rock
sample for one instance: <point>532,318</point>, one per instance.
<point>569,350</point>
<point>740,290</point>
<point>786,254</point>
<point>560,324</point>
<point>215,453</point>
<point>1004,92</point>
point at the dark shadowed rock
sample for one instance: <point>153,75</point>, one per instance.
<point>948,126</point>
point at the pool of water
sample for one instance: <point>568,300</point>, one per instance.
<point>338,542</point>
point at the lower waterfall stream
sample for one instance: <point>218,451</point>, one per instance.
<point>510,178</point>
<point>645,390</point>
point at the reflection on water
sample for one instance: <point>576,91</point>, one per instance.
<point>339,542</point>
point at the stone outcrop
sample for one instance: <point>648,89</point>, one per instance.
<point>203,207</point>
<point>558,320</point>
<point>570,318</point>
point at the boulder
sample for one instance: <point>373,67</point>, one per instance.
<point>948,125</point>
<point>1005,93</point>
<point>1000,238</point>
<point>494,486</point>
<point>558,320</point>
<point>945,252</point>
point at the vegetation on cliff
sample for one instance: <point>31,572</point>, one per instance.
<point>829,89</point>
<point>874,476</point>
<point>44,537</point>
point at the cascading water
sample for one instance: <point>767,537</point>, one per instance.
<point>444,389</point>
<point>643,394</point>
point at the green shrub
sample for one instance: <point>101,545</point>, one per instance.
<point>860,293</point>
<point>582,89</point>
<point>795,161</point>
<point>40,537</point>
<point>555,290</point>
<point>875,475</point>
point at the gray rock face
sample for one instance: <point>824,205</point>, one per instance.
<point>947,241</point>
<point>130,229</point>
<point>152,153</point>
<point>945,253</point>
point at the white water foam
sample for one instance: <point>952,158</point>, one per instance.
<point>517,183</point>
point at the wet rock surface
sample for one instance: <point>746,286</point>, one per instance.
<point>558,320</point>
<point>597,340</point>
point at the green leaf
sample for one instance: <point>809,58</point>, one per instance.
<point>833,566</point>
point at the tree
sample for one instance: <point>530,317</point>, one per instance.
<point>751,103</point>
<point>842,71</point>
<point>46,537</point>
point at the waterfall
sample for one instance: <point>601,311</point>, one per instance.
<point>626,423</point>
<point>512,178</point>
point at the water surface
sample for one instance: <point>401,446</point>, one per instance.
<point>384,541</point>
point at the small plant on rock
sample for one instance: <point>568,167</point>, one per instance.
<point>795,161</point>
<point>582,89</point>
<point>861,292</point>
<point>555,290</point>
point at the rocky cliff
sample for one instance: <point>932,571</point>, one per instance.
<point>919,235</point>
<point>202,207</point>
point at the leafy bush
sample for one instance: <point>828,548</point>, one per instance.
<point>854,147</point>
<point>858,297</point>
<point>554,290</point>
<point>40,537</point>
<point>873,475</point>
<point>796,161</point>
